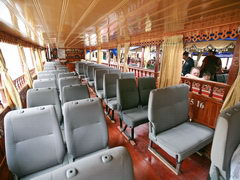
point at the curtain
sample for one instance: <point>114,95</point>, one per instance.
<point>99,57</point>
<point>10,90</point>
<point>43,54</point>
<point>220,44</point>
<point>27,74</point>
<point>34,60</point>
<point>126,50</point>
<point>39,59</point>
<point>171,65</point>
<point>118,55</point>
<point>233,96</point>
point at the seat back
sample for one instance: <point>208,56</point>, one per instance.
<point>98,80</point>
<point>62,69</point>
<point>127,75</point>
<point>226,140</point>
<point>127,94</point>
<point>118,166</point>
<point>46,76</point>
<point>80,69</point>
<point>145,85</point>
<point>44,83</point>
<point>66,81</point>
<point>75,92</point>
<point>110,85</point>
<point>33,140</point>
<point>44,96</point>
<point>86,132</point>
<point>168,107</point>
<point>90,71</point>
<point>114,71</point>
<point>66,74</point>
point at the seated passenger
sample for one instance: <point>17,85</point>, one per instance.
<point>206,76</point>
<point>195,72</point>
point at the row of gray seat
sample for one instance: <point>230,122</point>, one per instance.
<point>34,143</point>
<point>166,111</point>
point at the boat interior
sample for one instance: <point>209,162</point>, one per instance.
<point>119,90</point>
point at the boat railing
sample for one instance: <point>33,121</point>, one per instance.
<point>211,89</point>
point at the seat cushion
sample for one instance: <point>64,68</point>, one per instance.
<point>134,117</point>
<point>183,140</point>
<point>112,103</point>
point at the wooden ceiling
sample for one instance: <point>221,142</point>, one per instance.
<point>78,23</point>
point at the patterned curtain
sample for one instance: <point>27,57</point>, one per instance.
<point>118,55</point>
<point>171,65</point>
<point>233,96</point>
<point>126,50</point>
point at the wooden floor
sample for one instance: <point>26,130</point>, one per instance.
<point>146,165</point>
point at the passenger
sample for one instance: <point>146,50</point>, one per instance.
<point>188,64</point>
<point>211,64</point>
<point>195,72</point>
<point>206,76</point>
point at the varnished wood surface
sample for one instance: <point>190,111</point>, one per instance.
<point>78,23</point>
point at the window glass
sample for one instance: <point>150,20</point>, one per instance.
<point>12,59</point>
<point>4,13</point>
<point>22,26</point>
<point>27,53</point>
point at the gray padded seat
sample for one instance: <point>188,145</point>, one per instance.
<point>62,69</point>
<point>128,101</point>
<point>98,82</point>
<point>110,91</point>
<point>46,76</point>
<point>127,75</point>
<point>94,167</point>
<point>45,72</point>
<point>44,83</point>
<point>169,124</point>
<point>226,140</point>
<point>145,85</point>
<point>85,127</point>
<point>44,96</point>
<point>66,74</point>
<point>75,92</point>
<point>33,141</point>
<point>91,73</point>
<point>114,71</point>
<point>47,68</point>
<point>66,81</point>
<point>79,68</point>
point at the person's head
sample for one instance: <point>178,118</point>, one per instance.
<point>185,55</point>
<point>211,52</point>
<point>206,76</point>
<point>195,71</point>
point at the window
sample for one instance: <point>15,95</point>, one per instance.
<point>12,59</point>
<point>5,14</point>
<point>27,53</point>
<point>21,26</point>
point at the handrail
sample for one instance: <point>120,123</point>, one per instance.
<point>20,82</point>
<point>211,89</point>
<point>139,72</point>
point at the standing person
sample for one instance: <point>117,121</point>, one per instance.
<point>188,64</point>
<point>211,64</point>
